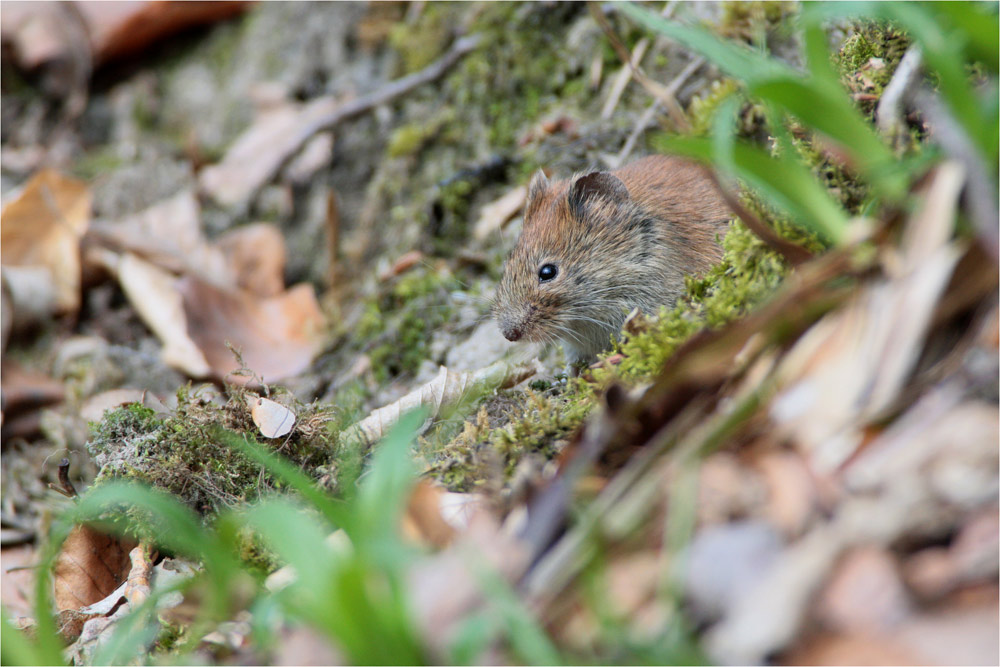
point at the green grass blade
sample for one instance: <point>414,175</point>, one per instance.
<point>17,649</point>
<point>735,60</point>
<point>783,181</point>
<point>289,474</point>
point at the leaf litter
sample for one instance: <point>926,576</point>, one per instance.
<point>819,432</point>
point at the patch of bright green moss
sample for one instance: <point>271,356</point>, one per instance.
<point>184,454</point>
<point>396,327</point>
<point>868,59</point>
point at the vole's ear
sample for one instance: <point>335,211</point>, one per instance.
<point>539,184</point>
<point>596,184</point>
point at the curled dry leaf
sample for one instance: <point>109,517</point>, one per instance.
<point>169,235</point>
<point>94,408</point>
<point>153,293</point>
<point>423,521</point>
<point>277,336</point>
<point>115,29</point>
<point>273,419</point>
<point>495,214</point>
<point>255,255</point>
<point>43,226</point>
<point>90,566</point>
<point>258,153</point>
<point>447,388</point>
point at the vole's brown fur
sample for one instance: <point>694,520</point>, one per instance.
<point>618,240</point>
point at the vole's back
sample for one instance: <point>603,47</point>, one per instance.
<point>597,245</point>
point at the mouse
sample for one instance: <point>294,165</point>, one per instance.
<point>599,244</point>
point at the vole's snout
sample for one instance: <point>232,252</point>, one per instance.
<point>510,331</point>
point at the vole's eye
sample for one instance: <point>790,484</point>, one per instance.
<point>547,272</point>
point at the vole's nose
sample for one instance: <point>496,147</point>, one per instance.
<point>510,331</point>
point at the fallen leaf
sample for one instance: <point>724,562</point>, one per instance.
<point>114,29</point>
<point>277,336</point>
<point>854,649</point>
<point>94,408</point>
<point>153,293</point>
<point>448,387</point>
<point>423,522</point>
<point>496,213</point>
<point>17,577</point>
<point>256,155</point>
<point>25,390</point>
<point>43,226</point>
<point>273,419</point>
<point>255,255</point>
<point>168,234</point>
<point>90,566</point>
<point>864,593</point>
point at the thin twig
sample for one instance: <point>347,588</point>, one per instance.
<point>65,487</point>
<point>896,96</point>
<point>655,89</point>
<point>980,191</point>
<point>656,105</point>
<point>793,254</point>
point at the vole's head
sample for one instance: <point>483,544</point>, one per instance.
<point>578,240</point>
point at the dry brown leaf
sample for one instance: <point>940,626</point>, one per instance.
<point>94,408</point>
<point>863,594</point>
<point>496,213</point>
<point>273,419</point>
<point>258,153</point>
<point>25,389</point>
<point>43,227</point>
<point>153,293</point>
<point>169,235</point>
<point>255,255</point>
<point>423,521</point>
<point>115,29</point>
<point>277,336</point>
<point>17,579</point>
<point>854,362</point>
<point>852,649</point>
<point>448,387</point>
<point>90,566</point>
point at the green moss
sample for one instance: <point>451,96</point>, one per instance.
<point>753,22</point>
<point>408,139</point>
<point>703,106</point>
<point>97,163</point>
<point>867,60</point>
<point>396,326</point>
<point>420,44</point>
<point>183,452</point>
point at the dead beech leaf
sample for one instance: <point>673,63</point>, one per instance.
<point>168,234</point>
<point>278,336</point>
<point>448,387</point>
<point>43,227</point>
<point>255,255</point>
<point>258,153</point>
<point>423,522</point>
<point>90,566</point>
<point>496,213</point>
<point>152,291</point>
<point>94,408</point>
<point>273,419</point>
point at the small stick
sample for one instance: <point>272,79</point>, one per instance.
<point>67,489</point>
<point>653,88</point>
<point>332,237</point>
<point>648,114</point>
<point>793,254</point>
<point>896,96</point>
